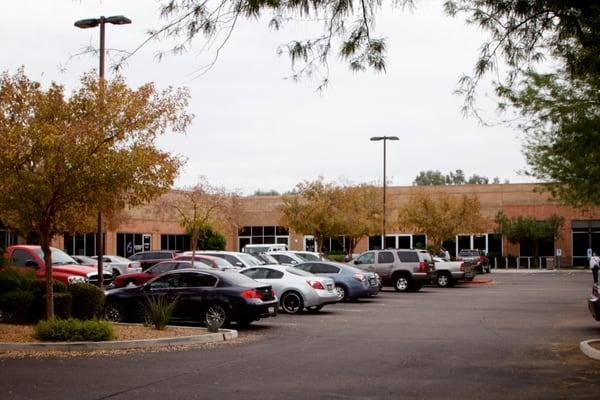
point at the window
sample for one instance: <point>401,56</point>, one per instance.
<point>324,269</point>
<point>20,257</point>
<point>81,245</point>
<point>175,242</point>
<point>367,258</point>
<point>197,280</point>
<point>130,243</point>
<point>408,256</point>
<point>283,259</point>
<point>270,234</point>
<point>274,274</point>
<point>385,257</point>
<point>163,267</point>
<point>165,282</point>
<point>256,273</point>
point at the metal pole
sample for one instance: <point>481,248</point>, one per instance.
<point>384,185</point>
<point>100,235</point>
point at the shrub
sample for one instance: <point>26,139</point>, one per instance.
<point>14,278</point>
<point>88,301</point>
<point>62,305</point>
<point>17,306</point>
<point>74,330</point>
<point>157,311</point>
<point>214,326</point>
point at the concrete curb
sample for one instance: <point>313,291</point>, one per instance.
<point>221,336</point>
<point>588,350</point>
<point>479,282</point>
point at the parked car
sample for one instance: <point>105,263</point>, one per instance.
<point>351,283</point>
<point>404,269</point>
<point>263,248</point>
<point>286,257</point>
<point>119,265</point>
<point>204,296</point>
<point>309,255</point>
<point>210,261</point>
<point>265,259</point>
<point>85,260</point>
<point>447,273</point>
<point>64,267</point>
<point>477,258</point>
<point>149,258</point>
<point>239,260</point>
<point>141,277</point>
<point>296,289</point>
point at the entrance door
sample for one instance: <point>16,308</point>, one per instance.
<point>309,243</point>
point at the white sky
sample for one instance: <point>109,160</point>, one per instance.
<point>256,130</point>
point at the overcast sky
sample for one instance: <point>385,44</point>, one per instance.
<point>254,129</point>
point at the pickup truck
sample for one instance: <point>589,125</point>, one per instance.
<point>447,273</point>
<point>64,268</point>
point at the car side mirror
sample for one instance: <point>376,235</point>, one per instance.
<point>31,264</point>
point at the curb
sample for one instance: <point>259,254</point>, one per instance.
<point>221,336</point>
<point>479,282</point>
<point>588,350</point>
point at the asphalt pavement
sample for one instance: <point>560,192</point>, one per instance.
<point>516,337</point>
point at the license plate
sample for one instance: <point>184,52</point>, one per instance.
<point>271,310</point>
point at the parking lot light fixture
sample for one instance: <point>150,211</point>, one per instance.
<point>384,139</point>
<point>85,24</point>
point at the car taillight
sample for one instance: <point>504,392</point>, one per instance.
<point>315,284</point>
<point>462,267</point>
<point>359,277</point>
<point>273,293</point>
<point>251,294</point>
<point>131,266</point>
<point>422,266</point>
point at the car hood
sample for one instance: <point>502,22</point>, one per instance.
<point>82,270</point>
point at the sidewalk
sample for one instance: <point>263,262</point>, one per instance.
<point>538,271</point>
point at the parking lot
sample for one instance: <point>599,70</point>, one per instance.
<point>514,338</point>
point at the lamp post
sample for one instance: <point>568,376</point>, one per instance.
<point>92,23</point>
<point>385,139</point>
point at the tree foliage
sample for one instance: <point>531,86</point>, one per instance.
<point>436,178</point>
<point>441,216</point>
<point>325,209</point>
<point>63,158</point>
<point>210,240</point>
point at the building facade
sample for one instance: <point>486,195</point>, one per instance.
<point>147,228</point>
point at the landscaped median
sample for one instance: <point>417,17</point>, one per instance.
<point>127,336</point>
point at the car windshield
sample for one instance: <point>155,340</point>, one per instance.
<point>308,256</point>
<point>222,263</point>
<point>120,259</point>
<point>298,272</point>
<point>58,256</point>
<point>468,253</point>
<point>249,260</point>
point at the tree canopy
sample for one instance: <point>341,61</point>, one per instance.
<point>441,216</point>
<point>63,157</point>
<point>436,178</point>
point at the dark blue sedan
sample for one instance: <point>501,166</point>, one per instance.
<point>204,296</point>
<point>350,283</point>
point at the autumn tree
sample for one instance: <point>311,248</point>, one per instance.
<point>528,231</point>
<point>63,157</point>
<point>203,207</point>
<point>360,212</point>
<point>441,216</point>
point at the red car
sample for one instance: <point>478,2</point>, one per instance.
<point>213,262</point>
<point>139,278</point>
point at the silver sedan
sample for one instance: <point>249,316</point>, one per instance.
<point>120,265</point>
<point>295,288</point>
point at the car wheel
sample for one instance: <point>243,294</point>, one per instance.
<point>292,303</point>
<point>341,292</point>
<point>401,283</point>
<point>314,309</point>
<point>443,279</point>
<point>215,314</point>
<point>114,312</point>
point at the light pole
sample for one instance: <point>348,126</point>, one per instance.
<point>92,23</point>
<point>385,139</point>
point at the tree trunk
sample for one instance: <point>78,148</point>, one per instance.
<point>49,288</point>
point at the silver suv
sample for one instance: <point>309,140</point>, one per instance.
<point>404,269</point>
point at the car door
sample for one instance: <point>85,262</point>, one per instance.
<point>163,288</point>
<point>366,261</point>
<point>385,264</point>
<point>193,293</point>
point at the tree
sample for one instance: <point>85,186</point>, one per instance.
<point>202,208</point>
<point>561,119</point>
<point>441,216</point>
<point>326,209</point>
<point>429,178</point>
<point>64,158</point>
<point>528,230</point>
<point>271,192</point>
<point>436,178</point>
<point>210,240</point>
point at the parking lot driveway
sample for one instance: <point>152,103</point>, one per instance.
<point>515,338</point>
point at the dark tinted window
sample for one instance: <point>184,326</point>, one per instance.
<point>165,282</point>
<point>20,257</point>
<point>197,280</point>
<point>135,257</point>
<point>324,269</point>
<point>256,273</point>
<point>274,274</point>
<point>163,267</point>
<point>385,257</point>
<point>408,256</point>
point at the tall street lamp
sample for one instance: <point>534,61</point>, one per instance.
<point>385,139</point>
<point>92,23</point>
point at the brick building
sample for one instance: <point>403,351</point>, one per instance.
<point>146,228</point>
